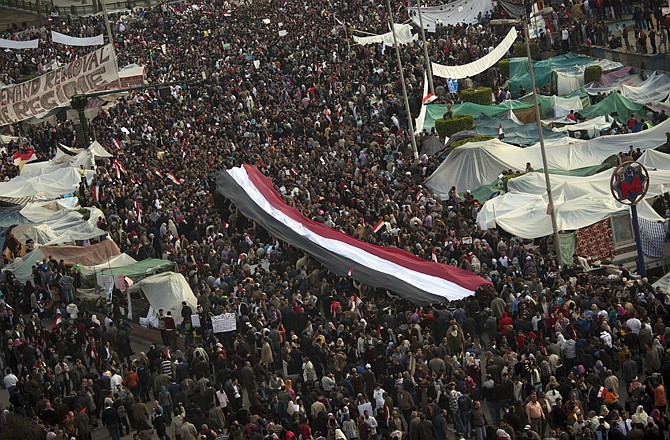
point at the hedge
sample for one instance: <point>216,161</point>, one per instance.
<point>520,50</point>
<point>592,73</point>
<point>470,139</point>
<point>447,127</point>
<point>503,67</point>
<point>480,95</point>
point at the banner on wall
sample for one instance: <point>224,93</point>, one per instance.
<point>55,89</point>
<point>57,37</point>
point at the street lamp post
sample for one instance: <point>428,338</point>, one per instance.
<point>429,68</point>
<point>410,124</point>
<point>547,180</point>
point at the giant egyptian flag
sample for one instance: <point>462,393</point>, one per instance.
<point>418,280</point>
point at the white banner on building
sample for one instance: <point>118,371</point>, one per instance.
<point>12,44</point>
<point>55,89</point>
<point>57,37</point>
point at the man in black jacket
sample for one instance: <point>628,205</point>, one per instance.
<point>111,419</point>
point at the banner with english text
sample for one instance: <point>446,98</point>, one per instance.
<point>54,89</point>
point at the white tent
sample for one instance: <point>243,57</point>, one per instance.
<point>479,163</point>
<point>98,150</point>
<point>22,189</point>
<point>578,201</point>
<point>114,262</point>
<point>167,291</point>
<point>653,90</point>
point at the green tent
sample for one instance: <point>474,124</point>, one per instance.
<point>615,102</point>
<point>142,269</point>
<point>520,76</point>
<point>436,111</point>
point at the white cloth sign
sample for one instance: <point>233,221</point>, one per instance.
<point>68,40</point>
<point>195,320</point>
<point>458,11</point>
<point>224,323</point>
<point>11,44</point>
<point>283,33</point>
<point>403,33</point>
<point>33,98</point>
<point>477,66</point>
<point>365,407</point>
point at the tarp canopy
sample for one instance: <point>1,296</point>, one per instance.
<point>613,103</point>
<point>141,269</point>
<point>116,261</point>
<point>520,76</point>
<point>579,202</point>
<point>97,253</point>
<point>515,132</point>
<point>457,11</point>
<point>654,89</point>
<point>478,163</point>
<point>554,106</point>
<point>46,186</point>
<point>572,78</point>
<point>167,291</point>
<point>98,150</point>
<point>436,111</point>
<point>655,160</point>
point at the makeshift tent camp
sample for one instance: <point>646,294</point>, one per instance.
<point>569,66</point>
<point>83,255</point>
<point>554,106</point>
<point>615,104</point>
<point>166,291</point>
<point>578,202</point>
<point>116,261</point>
<point>475,164</point>
<point>141,269</point>
<point>21,189</point>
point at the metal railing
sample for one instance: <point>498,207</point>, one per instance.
<point>87,7</point>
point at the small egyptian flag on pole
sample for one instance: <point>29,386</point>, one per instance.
<point>433,254</point>
<point>378,226</point>
<point>351,270</point>
<point>428,99</point>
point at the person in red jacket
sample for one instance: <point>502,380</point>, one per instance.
<point>505,321</point>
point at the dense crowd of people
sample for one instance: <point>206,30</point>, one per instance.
<point>540,352</point>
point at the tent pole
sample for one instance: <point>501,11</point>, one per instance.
<point>429,69</point>
<point>410,124</point>
<point>550,208</point>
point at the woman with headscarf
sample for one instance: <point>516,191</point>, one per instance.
<point>641,415</point>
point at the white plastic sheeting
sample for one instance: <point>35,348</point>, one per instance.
<point>592,126</point>
<point>167,291</point>
<point>114,262</point>
<point>655,160</point>
<point>458,11</point>
<point>477,66</point>
<point>478,163</point>
<point>403,33</point>
<point>572,78</point>
<point>653,90</point>
<point>60,227</point>
<point>578,201</point>
<point>73,158</point>
<point>98,150</point>
<point>45,186</point>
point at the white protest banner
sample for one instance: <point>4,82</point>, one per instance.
<point>195,320</point>
<point>365,407</point>
<point>57,37</point>
<point>12,44</point>
<point>55,89</point>
<point>283,33</point>
<point>224,323</point>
